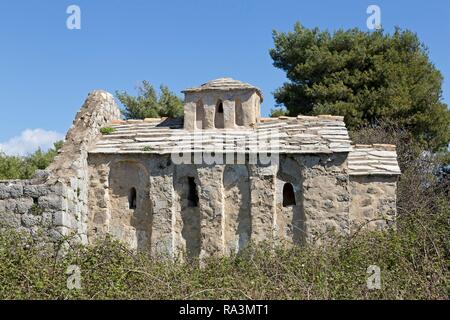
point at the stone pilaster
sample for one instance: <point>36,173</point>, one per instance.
<point>162,198</point>
<point>209,105</point>
<point>262,207</point>
<point>212,210</point>
<point>229,114</point>
<point>249,109</point>
<point>190,115</point>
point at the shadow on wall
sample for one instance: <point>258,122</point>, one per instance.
<point>131,213</point>
<point>188,221</point>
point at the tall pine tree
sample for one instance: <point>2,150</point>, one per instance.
<point>367,77</point>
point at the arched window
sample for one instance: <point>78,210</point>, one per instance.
<point>192,193</point>
<point>132,199</point>
<point>219,118</point>
<point>288,195</point>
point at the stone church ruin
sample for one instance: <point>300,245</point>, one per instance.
<point>207,184</point>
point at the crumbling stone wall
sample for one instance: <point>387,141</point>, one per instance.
<point>32,206</point>
<point>56,201</point>
<point>373,202</point>
<point>70,167</point>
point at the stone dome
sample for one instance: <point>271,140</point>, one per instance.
<point>224,84</point>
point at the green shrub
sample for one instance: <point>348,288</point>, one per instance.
<point>14,167</point>
<point>414,265</point>
<point>107,130</point>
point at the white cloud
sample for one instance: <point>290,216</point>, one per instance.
<point>29,141</point>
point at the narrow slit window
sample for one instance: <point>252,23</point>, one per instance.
<point>132,199</point>
<point>192,193</point>
<point>288,195</point>
<point>219,120</point>
<point>220,108</point>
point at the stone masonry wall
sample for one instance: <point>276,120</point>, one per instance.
<point>246,114</point>
<point>56,200</point>
<point>31,206</point>
<point>110,179</point>
<point>290,219</point>
<point>236,203</point>
<point>237,217</point>
<point>373,202</point>
<point>326,196</point>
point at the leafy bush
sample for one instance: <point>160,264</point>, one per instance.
<point>413,261</point>
<point>278,112</point>
<point>14,167</point>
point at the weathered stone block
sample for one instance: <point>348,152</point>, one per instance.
<point>58,233</point>
<point>52,202</point>
<point>10,205</point>
<point>23,205</point>
<point>63,219</point>
<point>83,239</point>
<point>3,192</point>
<point>47,219</point>
<point>11,191</point>
<point>9,219</point>
<point>100,217</point>
<point>58,189</point>
<point>36,191</point>
<point>29,220</point>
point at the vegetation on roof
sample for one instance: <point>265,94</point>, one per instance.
<point>107,130</point>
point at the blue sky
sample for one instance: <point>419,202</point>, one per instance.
<point>46,70</point>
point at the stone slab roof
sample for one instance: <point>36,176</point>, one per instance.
<point>302,134</point>
<point>224,84</point>
<point>377,159</point>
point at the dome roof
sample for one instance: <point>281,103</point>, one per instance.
<point>224,84</point>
